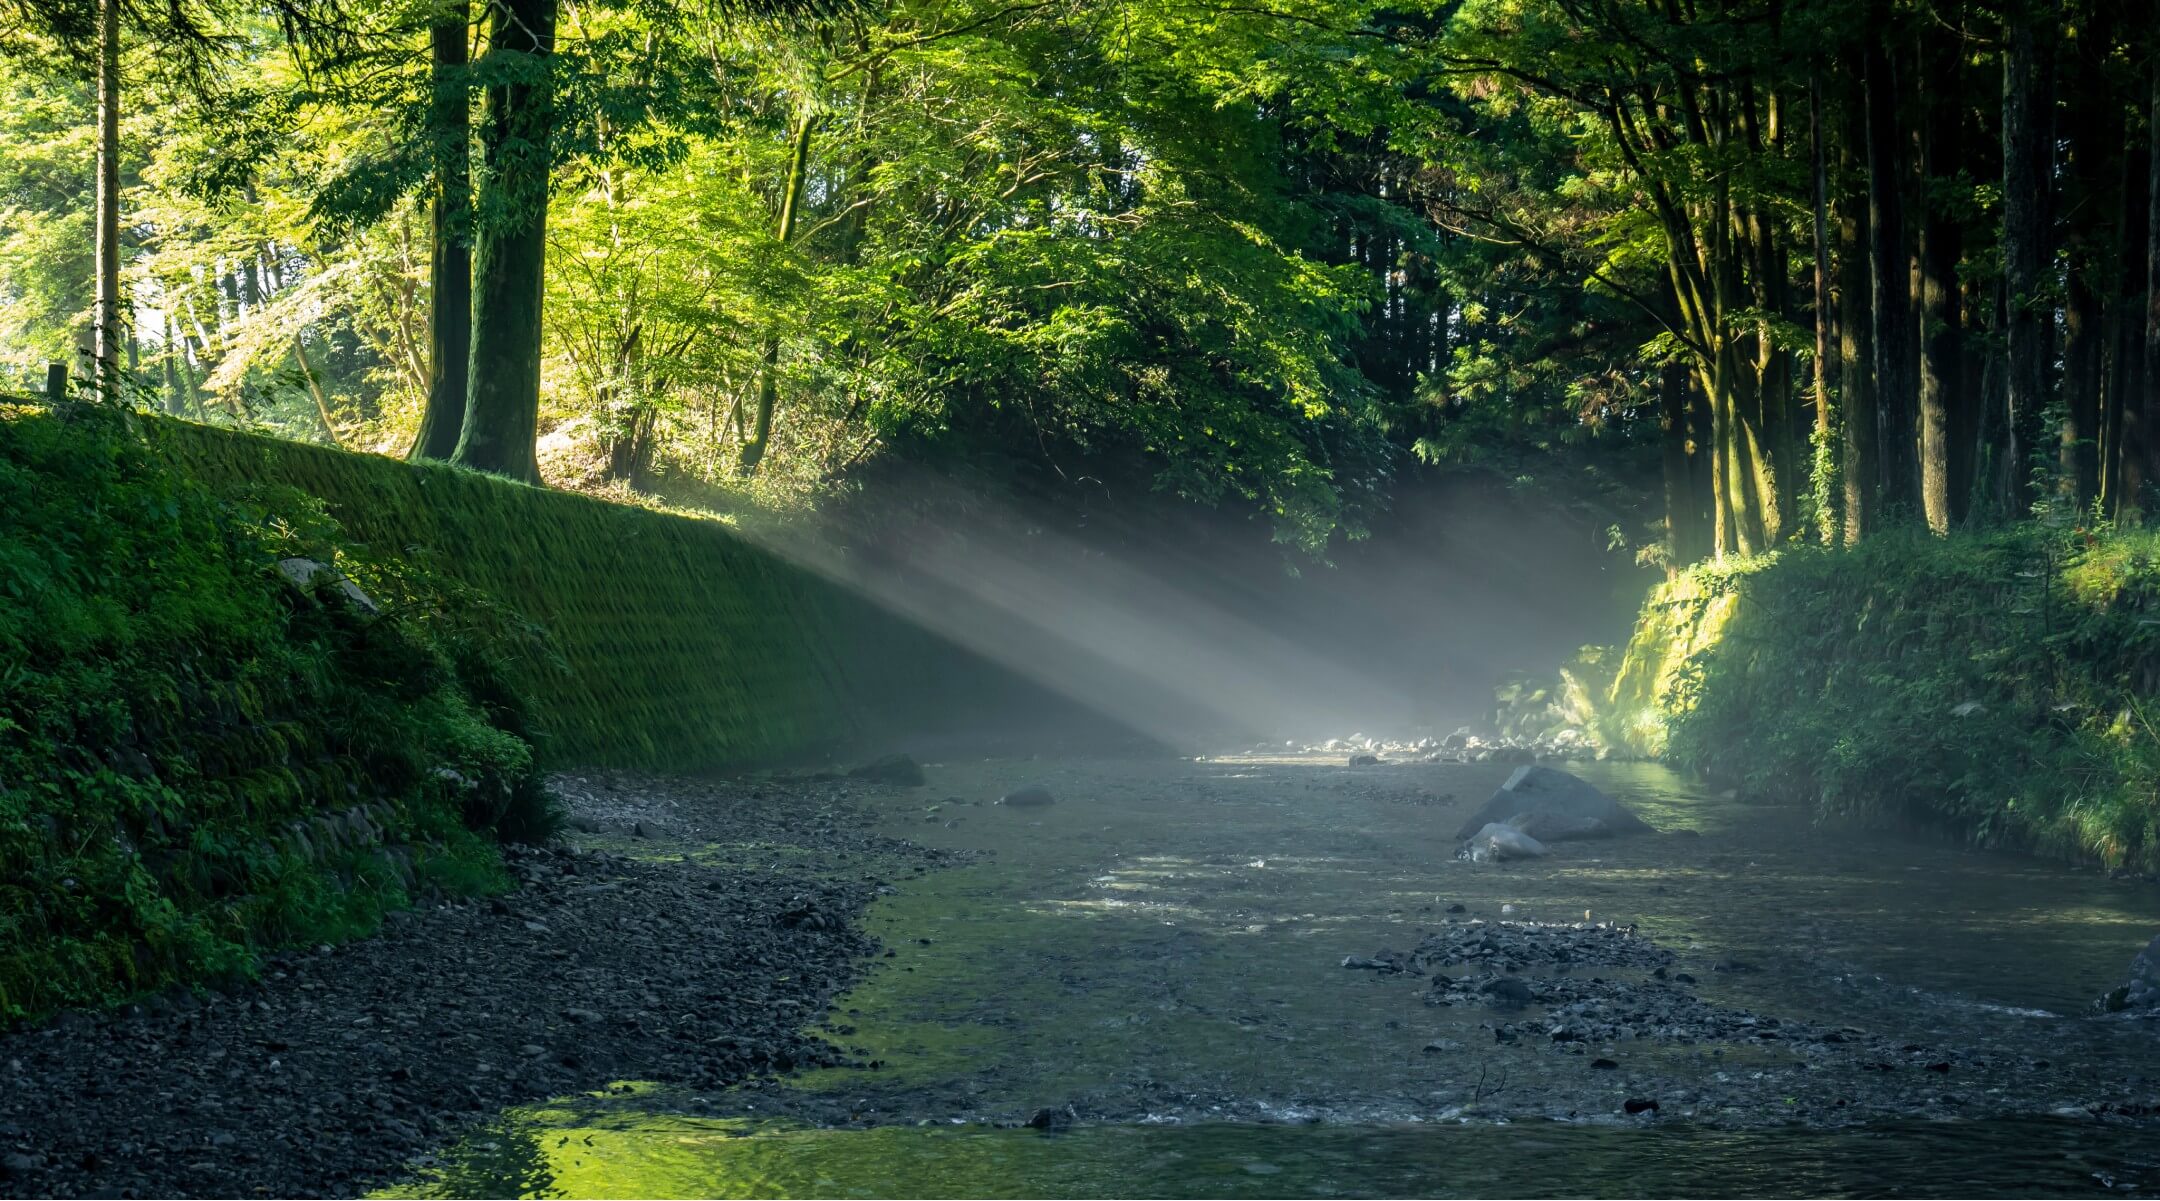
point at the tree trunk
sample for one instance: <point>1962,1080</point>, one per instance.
<point>2121,441</point>
<point>314,387</point>
<point>502,411</point>
<point>1683,535</point>
<point>2027,154</point>
<point>753,448</point>
<point>105,318</point>
<point>1940,353</point>
<point>1829,520</point>
<point>1896,400</point>
<point>450,254</point>
<point>2149,409</point>
<point>175,399</point>
<point>1856,345</point>
<point>1773,427</point>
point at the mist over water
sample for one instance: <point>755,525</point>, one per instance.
<point>1195,630</point>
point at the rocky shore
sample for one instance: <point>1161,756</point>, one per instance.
<point>689,933</point>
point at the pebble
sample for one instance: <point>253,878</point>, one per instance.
<point>388,1046</point>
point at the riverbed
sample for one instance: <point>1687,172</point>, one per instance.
<point>1140,989</point>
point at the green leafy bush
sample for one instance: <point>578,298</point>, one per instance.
<point>222,728</point>
<point>1998,685</point>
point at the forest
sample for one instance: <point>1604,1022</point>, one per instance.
<point>1079,597</point>
<point>1792,270</point>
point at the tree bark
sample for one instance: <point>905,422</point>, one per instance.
<point>106,335</point>
<point>2027,155</point>
<point>175,399</point>
<point>314,387</point>
<point>1829,520</point>
<point>753,448</point>
<point>502,410</point>
<point>450,254</point>
<point>2149,409</point>
<point>1896,401</point>
<point>1683,533</point>
<point>1856,345</point>
<point>1941,356</point>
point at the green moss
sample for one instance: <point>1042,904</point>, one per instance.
<point>1996,685</point>
<point>675,644</point>
<point>200,758</point>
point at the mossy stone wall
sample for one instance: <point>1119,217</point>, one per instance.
<point>684,647</point>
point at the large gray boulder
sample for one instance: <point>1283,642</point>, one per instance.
<point>2143,991</point>
<point>1553,805</point>
<point>2145,976</point>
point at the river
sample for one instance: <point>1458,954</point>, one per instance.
<point>1151,970</point>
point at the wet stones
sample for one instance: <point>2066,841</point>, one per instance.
<point>896,769</point>
<point>1498,843</point>
<point>2143,990</point>
<point>1568,805</point>
<point>1509,991</point>
<point>1029,796</point>
<point>1385,961</point>
<point>337,1067</point>
<point>1051,1119</point>
<point>1514,946</point>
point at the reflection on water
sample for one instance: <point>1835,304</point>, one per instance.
<point>1165,943</point>
<point>686,1158</point>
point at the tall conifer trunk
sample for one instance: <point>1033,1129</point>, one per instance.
<point>2028,150</point>
<point>1827,495</point>
<point>1683,524</point>
<point>1856,339</point>
<point>1896,399</point>
<point>1941,356</point>
<point>450,253</point>
<point>502,410</point>
<point>2149,409</point>
<point>106,336</point>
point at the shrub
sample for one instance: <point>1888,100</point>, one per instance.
<point>1997,685</point>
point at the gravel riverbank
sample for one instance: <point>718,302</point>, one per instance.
<point>690,933</point>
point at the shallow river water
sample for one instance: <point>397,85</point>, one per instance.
<point>1152,968</point>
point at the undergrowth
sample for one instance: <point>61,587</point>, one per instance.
<point>208,747</point>
<point>2000,685</point>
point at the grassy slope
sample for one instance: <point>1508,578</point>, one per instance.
<point>198,760</point>
<point>1997,685</point>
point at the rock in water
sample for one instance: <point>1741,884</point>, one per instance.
<point>1032,794</point>
<point>2143,991</point>
<point>1536,789</point>
<point>1364,760</point>
<point>1051,1119</point>
<point>1498,843</point>
<point>1558,827</point>
<point>892,769</point>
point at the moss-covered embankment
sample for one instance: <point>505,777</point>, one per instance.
<point>677,645</point>
<point>2001,686</point>
<point>209,746</point>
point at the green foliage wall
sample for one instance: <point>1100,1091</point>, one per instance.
<point>1997,685</point>
<point>201,755</point>
<point>680,645</point>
